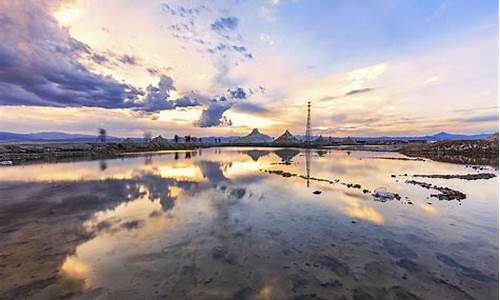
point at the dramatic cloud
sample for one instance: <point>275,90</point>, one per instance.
<point>213,115</point>
<point>157,98</point>
<point>40,65</point>
<point>225,23</point>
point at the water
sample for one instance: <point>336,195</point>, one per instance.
<point>212,224</point>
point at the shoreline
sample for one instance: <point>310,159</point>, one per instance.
<point>28,153</point>
<point>55,152</point>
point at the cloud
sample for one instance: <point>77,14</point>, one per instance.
<point>99,59</point>
<point>237,93</point>
<point>213,115</point>
<point>127,59</point>
<point>250,108</point>
<point>224,48</point>
<point>40,61</point>
<point>349,93</point>
<point>328,98</point>
<point>481,118</point>
<point>40,66</point>
<point>182,11</point>
<point>225,23</point>
<point>358,91</point>
<point>157,97</point>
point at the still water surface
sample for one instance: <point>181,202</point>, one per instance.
<point>212,224</point>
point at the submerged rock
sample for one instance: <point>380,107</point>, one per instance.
<point>459,176</point>
<point>445,192</point>
<point>381,193</point>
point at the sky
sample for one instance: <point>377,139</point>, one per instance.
<point>203,68</point>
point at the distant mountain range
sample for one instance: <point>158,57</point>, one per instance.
<point>442,136</point>
<point>50,137</point>
<point>10,137</point>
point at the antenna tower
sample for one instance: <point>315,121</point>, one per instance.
<point>308,123</point>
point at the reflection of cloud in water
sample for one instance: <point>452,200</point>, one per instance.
<point>74,268</point>
<point>180,171</point>
<point>356,208</point>
<point>429,208</point>
<point>212,171</point>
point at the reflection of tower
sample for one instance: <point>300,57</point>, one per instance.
<point>148,159</point>
<point>103,165</point>
<point>308,123</point>
<point>308,165</point>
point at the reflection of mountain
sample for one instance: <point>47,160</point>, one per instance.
<point>286,155</point>
<point>256,154</point>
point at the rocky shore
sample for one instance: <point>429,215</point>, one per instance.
<point>480,152</point>
<point>473,152</point>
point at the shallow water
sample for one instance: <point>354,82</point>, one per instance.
<point>213,224</point>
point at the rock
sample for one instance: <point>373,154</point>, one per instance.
<point>383,194</point>
<point>459,176</point>
<point>317,192</point>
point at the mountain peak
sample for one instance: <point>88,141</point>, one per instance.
<point>255,131</point>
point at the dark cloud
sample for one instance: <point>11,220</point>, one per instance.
<point>225,23</point>
<point>40,65</point>
<point>359,91</point>
<point>237,93</point>
<point>43,64</point>
<point>8,57</point>
<point>157,97</point>
<point>213,115</point>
